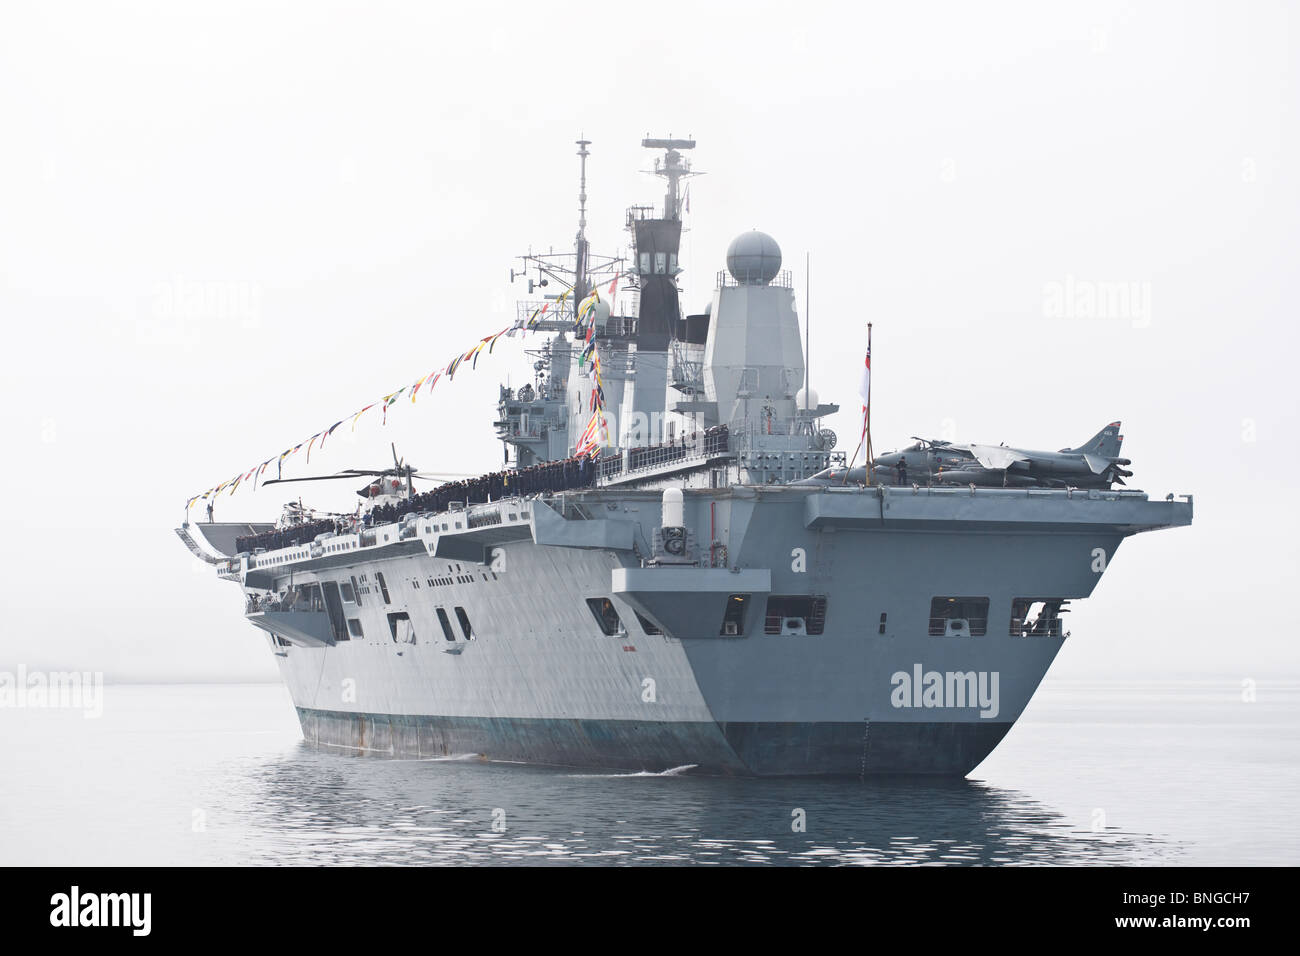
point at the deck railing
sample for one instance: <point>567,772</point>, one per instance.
<point>971,626</point>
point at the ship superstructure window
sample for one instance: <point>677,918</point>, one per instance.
<point>446,624</point>
<point>464,623</point>
<point>606,615</point>
<point>334,606</point>
<point>647,625</point>
<point>733,619</point>
<point>304,597</point>
<point>883,618</point>
<point>1036,617</point>
<point>959,616</point>
<point>349,595</point>
<point>354,628</point>
<point>661,263</point>
<point>645,263</point>
<point>383,586</point>
<point>795,614</point>
<point>399,623</point>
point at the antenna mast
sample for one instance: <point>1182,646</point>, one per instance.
<point>580,289</point>
<point>673,168</point>
<point>573,272</point>
<point>807,330</point>
<point>870,462</point>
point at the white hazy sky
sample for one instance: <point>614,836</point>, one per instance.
<point>345,185</point>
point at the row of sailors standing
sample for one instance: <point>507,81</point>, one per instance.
<point>537,479</point>
<point>546,477</point>
<point>550,476</point>
<point>288,537</point>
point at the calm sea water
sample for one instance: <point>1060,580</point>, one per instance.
<point>1123,773</point>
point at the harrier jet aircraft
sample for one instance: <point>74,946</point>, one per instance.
<point>1094,464</point>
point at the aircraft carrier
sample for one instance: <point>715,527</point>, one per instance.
<point>708,583</point>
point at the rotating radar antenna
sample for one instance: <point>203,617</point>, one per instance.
<point>673,167</point>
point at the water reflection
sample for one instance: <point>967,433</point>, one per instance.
<point>314,807</point>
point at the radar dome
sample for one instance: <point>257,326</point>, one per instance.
<point>753,258</point>
<point>806,399</point>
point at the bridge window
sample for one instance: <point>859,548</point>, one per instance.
<point>959,616</point>
<point>1036,617</point>
<point>464,623</point>
<point>446,624</point>
<point>795,614</point>
<point>733,619</point>
<point>354,628</point>
<point>606,615</point>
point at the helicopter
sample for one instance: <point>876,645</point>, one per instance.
<point>386,486</point>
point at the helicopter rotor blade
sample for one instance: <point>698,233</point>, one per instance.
<point>285,481</point>
<point>354,473</point>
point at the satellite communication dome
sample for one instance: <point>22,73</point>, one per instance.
<point>806,399</point>
<point>753,258</point>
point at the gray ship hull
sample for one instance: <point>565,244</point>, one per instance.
<point>741,749</point>
<point>871,688</point>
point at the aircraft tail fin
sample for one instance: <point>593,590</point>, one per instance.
<point>1105,444</point>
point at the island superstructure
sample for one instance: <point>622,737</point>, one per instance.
<point>664,575</point>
